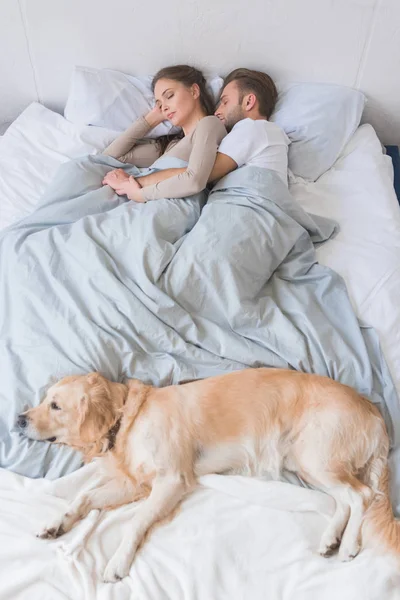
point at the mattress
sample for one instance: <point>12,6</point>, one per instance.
<point>234,537</point>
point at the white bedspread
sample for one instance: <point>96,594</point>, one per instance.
<point>234,538</point>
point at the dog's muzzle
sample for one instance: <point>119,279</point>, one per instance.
<point>22,422</point>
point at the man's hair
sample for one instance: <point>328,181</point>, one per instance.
<point>258,83</point>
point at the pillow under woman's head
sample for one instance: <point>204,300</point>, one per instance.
<point>112,99</point>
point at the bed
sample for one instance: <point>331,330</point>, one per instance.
<point>233,538</point>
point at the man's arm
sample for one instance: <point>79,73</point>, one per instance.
<point>223,165</point>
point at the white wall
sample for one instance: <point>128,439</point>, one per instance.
<point>353,42</point>
<point>17,85</point>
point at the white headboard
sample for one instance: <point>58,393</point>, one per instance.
<point>352,42</point>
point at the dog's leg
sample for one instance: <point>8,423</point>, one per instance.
<point>332,536</point>
<point>114,492</point>
<point>359,498</point>
<point>166,492</point>
<point>352,498</point>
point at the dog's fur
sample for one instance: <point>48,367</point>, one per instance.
<point>153,443</point>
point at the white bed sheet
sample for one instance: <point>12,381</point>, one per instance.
<point>32,149</point>
<point>358,193</point>
<point>234,538</point>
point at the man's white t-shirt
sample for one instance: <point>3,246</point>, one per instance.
<point>259,143</point>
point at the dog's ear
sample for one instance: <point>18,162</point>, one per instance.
<point>83,409</point>
<point>118,394</point>
<point>137,394</point>
<point>134,385</point>
<point>96,412</point>
<point>114,394</point>
<point>93,378</point>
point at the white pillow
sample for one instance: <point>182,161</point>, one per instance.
<point>319,119</point>
<point>113,100</point>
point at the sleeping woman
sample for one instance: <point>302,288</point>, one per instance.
<point>181,98</point>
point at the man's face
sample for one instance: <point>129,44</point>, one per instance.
<point>229,109</point>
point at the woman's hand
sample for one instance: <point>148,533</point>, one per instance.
<point>131,188</point>
<point>115,178</point>
<point>124,185</point>
<point>155,116</point>
<point>134,190</point>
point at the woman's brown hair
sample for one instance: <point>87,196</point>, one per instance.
<point>188,76</point>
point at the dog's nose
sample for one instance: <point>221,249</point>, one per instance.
<point>22,421</point>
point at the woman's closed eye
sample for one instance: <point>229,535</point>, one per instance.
<point>54,406</point>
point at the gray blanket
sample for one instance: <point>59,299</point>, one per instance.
<point>168,291</point>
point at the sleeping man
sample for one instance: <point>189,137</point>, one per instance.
<point>247,101</point>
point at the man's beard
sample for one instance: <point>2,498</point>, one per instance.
<point>233,117</point>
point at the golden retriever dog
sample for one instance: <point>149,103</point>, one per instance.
<point>153,443</point>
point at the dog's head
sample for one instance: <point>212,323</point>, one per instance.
<point>77,411</point>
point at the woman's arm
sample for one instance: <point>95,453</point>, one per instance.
<point>125,147</point>
<point>193,179</point>
<point>132,187</point>
<point>223,165</point>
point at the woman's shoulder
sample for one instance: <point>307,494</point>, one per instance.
<point>210,124</point>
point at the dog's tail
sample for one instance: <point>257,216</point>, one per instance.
<point>380,528</point>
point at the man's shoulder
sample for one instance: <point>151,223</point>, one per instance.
<point>244,124</point>
<point>262,130</point>
<point>254,127</point>
<point>244,131</point>
<point>257,125</point>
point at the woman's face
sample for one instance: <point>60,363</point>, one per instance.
<point>176,101</point>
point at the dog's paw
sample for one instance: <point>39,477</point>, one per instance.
<point>118,567</point>
<point>51,533</point>
<point>347,553</point>
<point>59,527</point>
<point>328,547</point>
